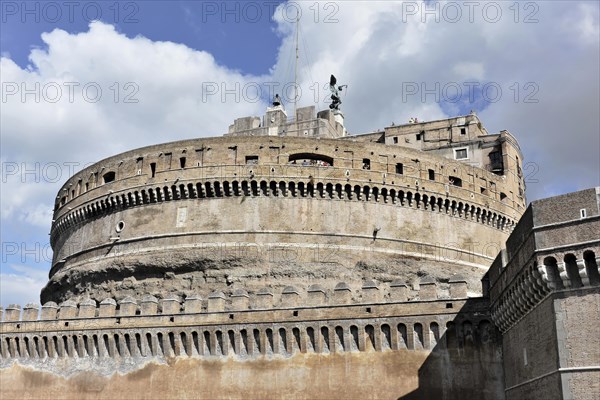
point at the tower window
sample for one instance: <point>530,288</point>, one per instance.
<point>395,138</point>
<point>366,163</point>
<point>182,162</point>
<point>461,154</point>
<point>399,168</point>
<point>108,177</point>
<point>454,180</point>
<point>153,169</point>
<point>431,175</point>
<point>463,131</point>
<point>252,160</point>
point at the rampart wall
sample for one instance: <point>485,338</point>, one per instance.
<point>298,343</point>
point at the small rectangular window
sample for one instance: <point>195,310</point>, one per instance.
<point>182,162</point>
<point>461,154</point>
<point>366,163</point>
<point>463,131</point>
<point>431,175</point>
<point>395,139</point>
<point>251,160</point>
<point>583,213</point>
<point>399,168</point>
<point>419,136</point>
<point>108,177</point>
<point>153,169</point>
<point>454,180</point>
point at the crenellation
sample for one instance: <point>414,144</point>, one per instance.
<point>371,292</point>
<point>149,305</point>
<point>457,287</point>
<point>108,308</point>
<point>12,312</point>
<point>398,291</point>
<point>127,306</point>
<point>50,311</point>
<point>170,305</point>
<point>31,312</point>
<point>240,300</point>
<point>342,294</point>
<point>290,297</point>
<point>67,309</point>
<point>315,296</point>
<point>87,308</point>
<point>216,301</point>
<point>264,299</point>
<point>192,304</point>
<point>427,289</point>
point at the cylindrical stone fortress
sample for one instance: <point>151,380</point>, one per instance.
<point>309,205</point>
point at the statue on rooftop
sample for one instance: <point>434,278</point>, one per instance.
<point>335,96</point>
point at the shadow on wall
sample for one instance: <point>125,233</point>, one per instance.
<point>465,362</point>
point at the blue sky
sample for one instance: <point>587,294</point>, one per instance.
<point>178,69</point>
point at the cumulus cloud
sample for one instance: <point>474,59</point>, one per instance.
<point>22,285</point>
<point>119,92</point>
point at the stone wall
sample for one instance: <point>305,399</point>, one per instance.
<point>229,346</point>
<point>172,199</point>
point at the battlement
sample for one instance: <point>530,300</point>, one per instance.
<point>243,325</point>
<point>314,296</point>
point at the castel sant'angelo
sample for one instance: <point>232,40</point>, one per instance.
<point>289,259</point>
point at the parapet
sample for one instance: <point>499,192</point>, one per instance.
<point>240,299</point>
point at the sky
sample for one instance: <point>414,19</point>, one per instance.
<point>85,80</point>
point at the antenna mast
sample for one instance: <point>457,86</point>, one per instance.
<point>296,69</point>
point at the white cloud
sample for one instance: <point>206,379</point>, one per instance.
<point>22,287</point>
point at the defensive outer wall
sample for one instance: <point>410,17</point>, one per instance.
<point>379,342</point>
<point>287,209</point>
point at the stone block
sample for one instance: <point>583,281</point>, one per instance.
<point>68,309</point>
<point>290,297</point>
<point>12,312</point>
<point>149,305</point>
<point>398,291</point>
<point>87,308</point>
<point>127,307</point>
<point>371,292</point>
<point>458,287</point>
<point>342,294</point>
<point>49,311</point>
<point>427,289</point>
<point>192,305</point>
<point>316,296</point>
<point>264,299</point>
<point>108,308</point>
<point>216,302</point>
<point>170,305</point>
<point>31,312</point>
<point>240,300</point>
